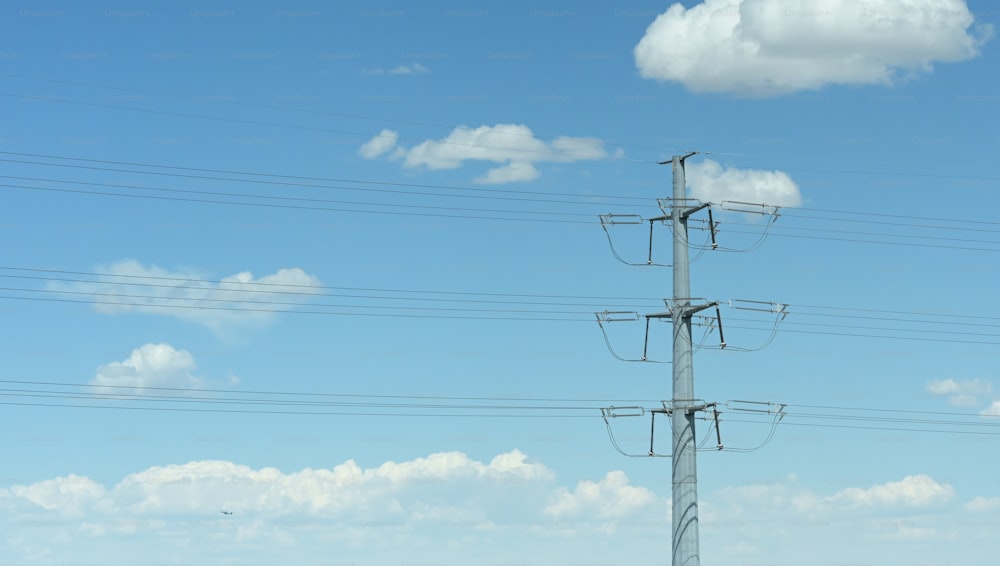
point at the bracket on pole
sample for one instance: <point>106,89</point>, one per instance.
<point>682,158</point>
<point>621,219</point>
<point>613,412</point>
<point>617,316</point>
<point>751,207</point>
<point>771,306</point>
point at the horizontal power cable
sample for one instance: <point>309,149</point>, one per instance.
<point>142,398</point>
<point>778,228</point>
<point>271,287</point>
<point>272,291</point>
<point>953,430</point>
<point>314,112</point>
<point>233,102</point>
<point>243,301</point>
<point>294,207</point>
<point>936,330</point>
<point>327,394</point>
<point>284,198</point>
<point>869,241</point>
<point>864,335</point>
<point>962,225</point>
<point>589,319</point>
<point>298,181</point>
<point>513,415</point>
<point>360,135</point>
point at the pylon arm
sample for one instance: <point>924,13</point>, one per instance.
<point>620,219</point>
<point>613,412</point>
<point>617,316</point>
<point>688,212</point>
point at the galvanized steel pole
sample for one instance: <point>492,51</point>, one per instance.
<point>685,472</point>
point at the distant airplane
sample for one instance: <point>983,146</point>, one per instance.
<point>227,512</point>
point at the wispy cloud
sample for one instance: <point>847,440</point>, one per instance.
<point>237,300</point>
<point>410,69</point>
<point>514,146</point>
<point>961,393</point>
<point>912,491</point>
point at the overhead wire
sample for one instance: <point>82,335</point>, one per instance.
<point>327,394</point>
<point>256,105</point>
<point>118,290</point>
<point>288,198</point>
<point>234,102</point>
<point>551,215</point>
<point>295,207</point>
<point>309,289</point>
<point>284,179</point>
<point>166,398</point>
<point>160,398</point>
<point>299,127</point>
<point>153,307</point>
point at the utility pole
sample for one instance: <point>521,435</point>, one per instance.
<point>685,471</point>
<point>683,405</point>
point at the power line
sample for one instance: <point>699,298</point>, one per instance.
<point>271,287</point>
<point>137,397</point>
<point>362,135</point>
<point>296,207</point>
<point>277,107</point>
<point>885,428</point>
<point>791,213</point>
<point>827,158</point>
<point>234,302</point>
<point>288,177</point>
<point>294,311</point>
<point>255,297</point>
<point>160,398</point>
<point>293,199</point>
<point>268,292</point>
<point>325,394</point>
<point>320,413</point>
<point>780,228</point>
<point>881,242</point>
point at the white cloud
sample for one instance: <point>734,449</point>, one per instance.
<point>711,182</point>
<point>983,504</point>
<point>610,497</point>
<point>152,365</point>
<point>426,510</point>
<point>961,393</point>
<point>346,491</point>
<point>992,411</point>
<point>235,301</point>
<point>411,69</point>
<point>69,496</point>
<point>512,145</point>
<point>905,532</point>
<point>382,143</point>
<point>917,491</point>
<point>509,173</point>
<point>448,504</point>
<point>784,495</point>
<point>771,47</point>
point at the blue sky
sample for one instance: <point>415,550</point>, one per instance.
<point>335,269</point>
